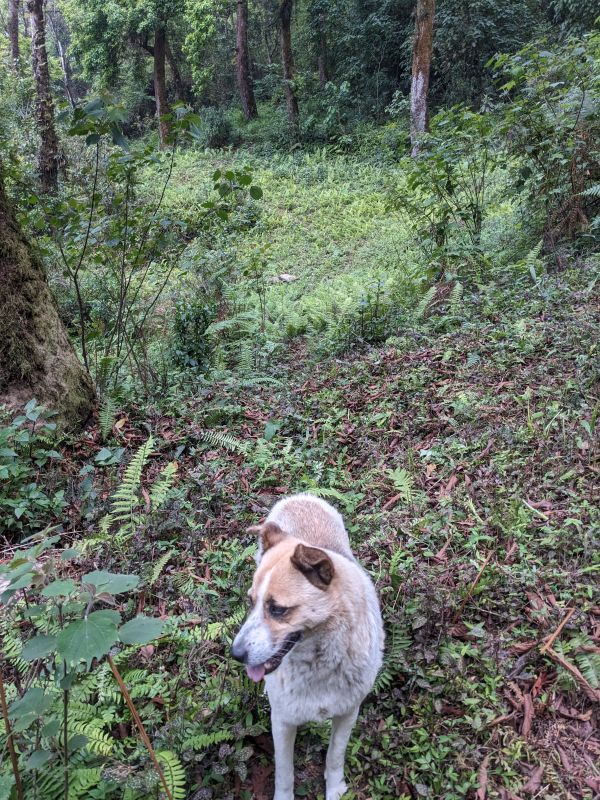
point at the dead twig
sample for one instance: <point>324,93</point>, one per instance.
<point>589,691</point>
<point>553,637</point>
<point>140,727</point>
<point>472,587</point>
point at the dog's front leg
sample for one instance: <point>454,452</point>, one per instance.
<point>284,736</point>
<point>341,728</point>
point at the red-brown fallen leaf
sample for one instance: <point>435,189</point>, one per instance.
<point>391,502</point>
<point>482,779</point>
<point>430,469</point>
<point>566,761</point>
<point>146,500</point>
<point>441,553</point>
<point>449,486</point>
<point>534,782</point>
<point>572,713</point>
<point>542,679</point>
<point>523,647</point>
<point>505,794</point>
<point>528,715</point>
<point>147,650</point>
<point>593,782</point>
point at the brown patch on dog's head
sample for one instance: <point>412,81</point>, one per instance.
<point>314,564</point>
<point>269,534</point>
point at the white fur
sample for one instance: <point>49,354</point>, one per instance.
<point>330,671</point>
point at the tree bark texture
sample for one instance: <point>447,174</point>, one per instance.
<point>287,59</point>
<point>421,67</point>
<point>48,152</point>
<point>160,86</point>
<point>244,79</point>
<point>180,89</point>
<point>13,32</point>
<point>37,358</point>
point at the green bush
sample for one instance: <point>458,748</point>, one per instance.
<point>191,346</point>
<point>215,129</point>
<point>27,444</point>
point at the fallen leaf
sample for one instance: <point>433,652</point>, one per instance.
<point>534,782</point>
<point>528,715</point>
<point>482,779</point>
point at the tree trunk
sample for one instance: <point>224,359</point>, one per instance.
<point>48,152</point>
<point>58,32</point>
<point>242,63</point>
<point>287,59</point>
<point>421,65</point>
<point>322,56</point>
<point>13,32</point>
<point>160,87</point>
<point>36,357</point>
<point>180,89</point>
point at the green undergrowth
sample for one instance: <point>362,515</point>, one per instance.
<point>463,453</point>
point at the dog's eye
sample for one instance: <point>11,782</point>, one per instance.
<point>275,610</point>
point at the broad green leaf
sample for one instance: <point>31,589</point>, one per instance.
<point>38,758</point>
<point>256,192</point>
<point>38,647</point>
<point>88,638</point>
<point>140,630</point>
<point>58,588</point>
<point>77,741</point>
<point>28,708</point>
<point>112,582</point>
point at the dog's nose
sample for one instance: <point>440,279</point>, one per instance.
<point>238,652</point>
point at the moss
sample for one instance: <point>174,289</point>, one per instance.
<point>37,358</point>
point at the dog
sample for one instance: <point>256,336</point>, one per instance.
<point>314,633</point>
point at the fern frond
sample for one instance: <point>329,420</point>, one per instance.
<point>162,485</point>
<point>173,772</point>
<point>425,301</point>
<point>159,566</point>
<point>202,741</point>
<point>455,298</point>
<point>225,440</point>
<point>99,741</point>
<point>592,191</point>
<point>403,483</point>
<point>106,416</point>
<point>125,499</point>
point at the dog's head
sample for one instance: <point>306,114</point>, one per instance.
<point>292,593</point>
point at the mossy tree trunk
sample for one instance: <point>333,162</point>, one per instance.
<point>36,357</point>
<point>287,59</point>
<point>44,106</point>
<point>12,26</point>
<point>421,67</point>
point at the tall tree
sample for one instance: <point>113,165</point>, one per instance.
<point>244,79</point>
<point>36,356</point>
<point>13,32</point>
<point>421,67</point>
<point>160,86</point>
<point>287,59</point>
<point>48,151</point>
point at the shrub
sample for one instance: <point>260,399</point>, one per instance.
<point>26,446</point>
<point>551,123</point>
<point>215,129</point>
<point>191,346</point>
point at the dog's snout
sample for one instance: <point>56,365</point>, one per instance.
<point>239,652</point>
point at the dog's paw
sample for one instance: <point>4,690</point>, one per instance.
<point>337,791</point>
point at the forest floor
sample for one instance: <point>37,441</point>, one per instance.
<point>465,457</point>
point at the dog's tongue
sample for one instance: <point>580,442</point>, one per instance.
<point>256,673</point>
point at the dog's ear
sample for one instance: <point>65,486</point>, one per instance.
<point>269,534</point>
<point>314,564</point>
